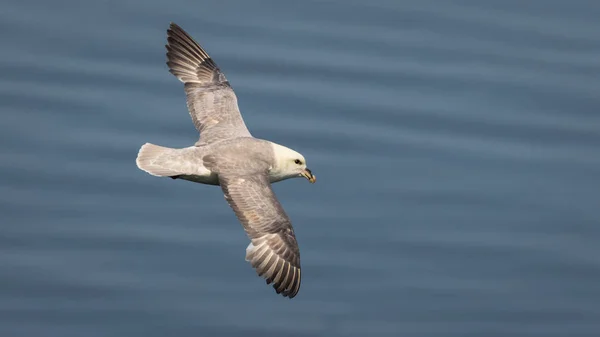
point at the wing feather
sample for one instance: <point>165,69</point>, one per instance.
<point>211,101</point>
<point>273,250</point>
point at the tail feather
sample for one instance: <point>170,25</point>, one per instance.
<point>154,159</point>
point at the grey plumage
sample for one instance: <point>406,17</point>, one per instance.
<point>211,101</point>
<point>273,251</point>
<point>226,154</point>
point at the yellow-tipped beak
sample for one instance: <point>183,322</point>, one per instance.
<point>306,173</point>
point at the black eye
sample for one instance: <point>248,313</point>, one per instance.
<point>297,161</point>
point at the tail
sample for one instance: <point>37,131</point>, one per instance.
<point>157,160</point>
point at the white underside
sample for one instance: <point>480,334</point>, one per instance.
<point>208,177</point>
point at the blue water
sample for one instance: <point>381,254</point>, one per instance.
<point>456,145</point>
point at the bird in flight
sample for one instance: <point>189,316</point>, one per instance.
<point>227,155</point>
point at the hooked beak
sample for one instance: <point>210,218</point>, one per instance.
<point>306,173</point>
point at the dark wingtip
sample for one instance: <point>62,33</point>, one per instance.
<point>174,29</point>
<point>188,61</point>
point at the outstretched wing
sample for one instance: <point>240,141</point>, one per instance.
<point>273,250</point>
<point>210,99</point>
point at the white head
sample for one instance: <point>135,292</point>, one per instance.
<point>289,164</point>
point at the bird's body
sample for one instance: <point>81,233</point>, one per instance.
<point>227,155</point>
<point>189,163</point>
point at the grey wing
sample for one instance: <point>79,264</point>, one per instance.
<point>211,101</point>
<point>273,250</point>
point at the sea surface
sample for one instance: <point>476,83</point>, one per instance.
<point>456,145</point>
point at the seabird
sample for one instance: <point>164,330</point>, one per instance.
<point>227,155</point>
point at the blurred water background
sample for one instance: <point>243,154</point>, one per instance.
<point>456,145</point>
